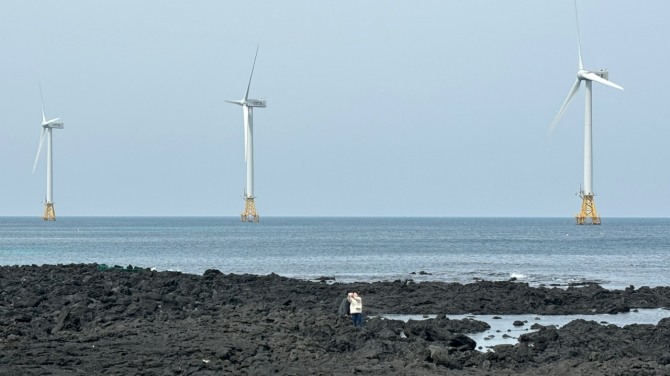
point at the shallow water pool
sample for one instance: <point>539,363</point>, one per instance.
<point>504,332</point>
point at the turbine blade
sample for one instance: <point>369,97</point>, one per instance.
<point>44,119</point>
<point>571,94</point>
<point>39,148</point>
<point>235,102</point>
<point>246,95</point>
<point>579,43</point>
<point>594,77</point>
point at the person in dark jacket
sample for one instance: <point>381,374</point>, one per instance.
<point>343,311</point>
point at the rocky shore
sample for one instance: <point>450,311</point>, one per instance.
<point>90,319</point>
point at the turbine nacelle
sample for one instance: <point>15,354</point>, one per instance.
<point>256,102</point>
<point>251,102</point>
<point>53,123</point>
<point>602,76</point>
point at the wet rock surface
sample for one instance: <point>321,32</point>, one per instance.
<point>85,319</point>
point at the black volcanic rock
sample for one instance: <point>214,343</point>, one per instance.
<point>93,319</point>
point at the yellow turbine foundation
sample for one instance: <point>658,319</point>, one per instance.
<point>588,211</point>
<point>249,214</point>
<point>49,212</point>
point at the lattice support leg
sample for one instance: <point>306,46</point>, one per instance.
<point>588,212</point>
<point>49,212</point>
<point>249,214</point>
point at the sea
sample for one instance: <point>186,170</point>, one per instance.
<point>540,251</point>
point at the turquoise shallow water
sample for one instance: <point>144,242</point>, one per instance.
<point>616,254</point>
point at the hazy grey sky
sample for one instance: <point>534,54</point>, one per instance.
<point>375,108</point>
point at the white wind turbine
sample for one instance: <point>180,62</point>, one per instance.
<point>47,126</point>
<point>248,105</point>
<point>588,209</point>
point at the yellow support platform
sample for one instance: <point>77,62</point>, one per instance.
<point>588,212</point>
<point>49,212</point>
<point>249,214</point>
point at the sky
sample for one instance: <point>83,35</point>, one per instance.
<point>375,108</point>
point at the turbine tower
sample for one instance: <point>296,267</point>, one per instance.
<point>588,209</point>
<point>249,214</point>
<point>47,126</point>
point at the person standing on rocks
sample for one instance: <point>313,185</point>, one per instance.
<point>343,311</point>
<point>356,308</point>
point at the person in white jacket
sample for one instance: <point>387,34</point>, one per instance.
<point>356,308</point>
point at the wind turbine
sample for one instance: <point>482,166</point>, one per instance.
<point>248,105</point>
<point>47,126</point>
<point>588,209</point>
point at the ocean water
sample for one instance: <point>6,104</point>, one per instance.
<point>549,251</point>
